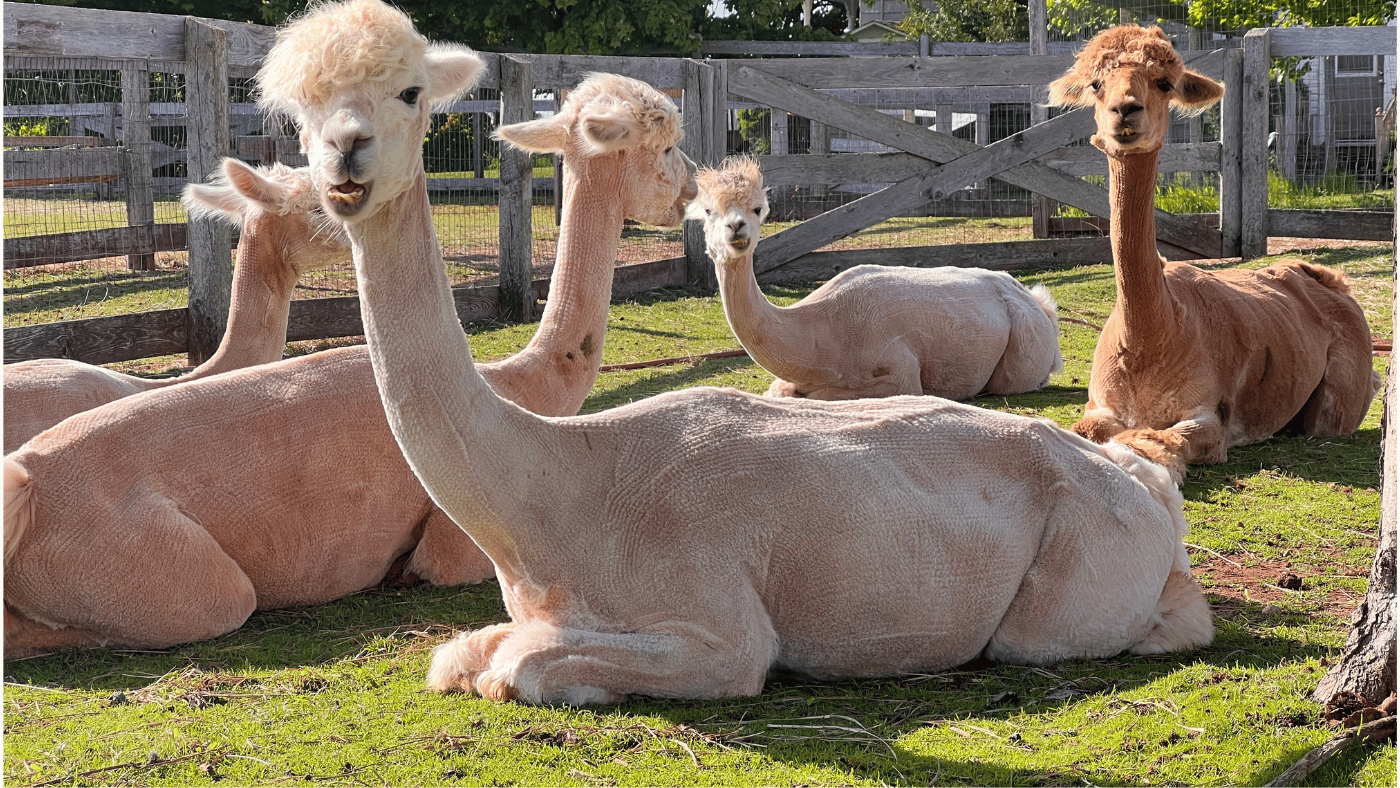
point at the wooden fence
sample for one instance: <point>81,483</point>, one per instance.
<point>930,164</point>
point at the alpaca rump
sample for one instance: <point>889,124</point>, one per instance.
<point>874,331</point>
<point>1193,362</point>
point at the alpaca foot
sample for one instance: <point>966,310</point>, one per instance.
<point>458,663</point>
<point>1184,620</point>
<point>1097,428</point>
<point>1167,449</point>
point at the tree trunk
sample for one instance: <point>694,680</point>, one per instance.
<point>1367,664</point>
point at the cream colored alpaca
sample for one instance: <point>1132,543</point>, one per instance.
<point>685,545</point>
<point>1192,362</point>
<point>284,235</point>
<point>172,519</point>
<point>873,330</point>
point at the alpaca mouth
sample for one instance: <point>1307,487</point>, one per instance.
<point>739,244</point>
<point>347,198</point>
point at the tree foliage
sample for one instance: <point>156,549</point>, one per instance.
<point>968,20</point>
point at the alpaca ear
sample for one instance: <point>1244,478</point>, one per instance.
<point>606,132</point>
<point>536,136</point>
<point>223,196</point>
<point>1198,92</point>
<point>1069,91</point>
<point>254,186</point>
<point>452,70</point>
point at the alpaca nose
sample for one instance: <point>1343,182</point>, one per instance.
<point>1126,107</point>
<point>739,228</point>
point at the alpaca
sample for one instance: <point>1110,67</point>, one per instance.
<point>684,545</point>
<point>282,485</point>
<point>284,234</point>
<point>873,330</point>
<point>1193,362</point>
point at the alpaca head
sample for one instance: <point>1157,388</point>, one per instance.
<point>634,125</point>
<point>278,204</point>
<point>732,204</point>
<point>1132,76</point>
<point>361,82</point>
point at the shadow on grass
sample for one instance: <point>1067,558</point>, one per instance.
<point>39,296</point>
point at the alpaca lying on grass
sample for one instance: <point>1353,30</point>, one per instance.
<point>875,331</point>
<point>284,235</point>
<point>685,545</point>
<point>1192,362</point>
<point>169,517</point>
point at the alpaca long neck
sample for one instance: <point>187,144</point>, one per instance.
<point>765,330</point>
<point>554,373</point>
<point>259,303</point>
<point>463,441</point>
<point>1143,299</point>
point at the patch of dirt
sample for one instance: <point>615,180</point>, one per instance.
<point>1234,586</point>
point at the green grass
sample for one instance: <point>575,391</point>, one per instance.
<point>334,694</point>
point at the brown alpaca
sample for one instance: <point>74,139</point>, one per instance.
<point>285,234</point>
<point>1192,362</point>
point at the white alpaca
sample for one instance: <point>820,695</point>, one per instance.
<point>170,516</point>
<point>685,545</point>
<point>284,235</point>
<point>873,330</point>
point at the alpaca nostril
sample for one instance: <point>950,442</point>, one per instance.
<point>1127,108</point>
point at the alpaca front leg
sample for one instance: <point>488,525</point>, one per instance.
<point>1203,437</point>
<point>1099,424</point>
<point>544,664</point>
<point>458,663</point>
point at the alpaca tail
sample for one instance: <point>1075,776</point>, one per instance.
<point>1327,277</point>
<point>1042,296</point>
<point>19,505</point>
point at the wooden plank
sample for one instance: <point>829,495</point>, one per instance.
<point>890,167</point>
<point>1230,122</point>
<point>101,340</point>
<point>55,142</point>
<point>1036,177</point>
<point>566,71</point>
<point>516,258</point>
<point>931,184</point>
<point>136,140</point>
<point>1318,41</point>
<point>32,250</point>
<point>120,35</point>
<point>42,167</point>
<point>1350,225</point>
<point>811,48</point>
<point>916,72</point>
<point>820,266</point>
<point>207,138</point>
<point>327,318</point>
<point>1254,156</point>
<point>637,278</point>
<point>696,116</point>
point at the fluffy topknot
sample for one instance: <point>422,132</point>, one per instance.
<point>333,45</point>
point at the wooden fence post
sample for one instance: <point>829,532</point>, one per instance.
<point>1040,111</point>
<point>207,140</point>
<point>697,116</point>
<point>1254,154</point>
<point>516,194</point>
<point>1230,138</point>
<point>136,164</point>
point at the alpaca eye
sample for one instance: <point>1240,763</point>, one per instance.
<point>1164,85</point>
<point>667,152</point>
<point>709,212</point>
<point>409,96</point>
<point>757,211</point>
<point>1095,85</point>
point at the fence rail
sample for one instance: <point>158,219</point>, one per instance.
<point>928,166</point>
